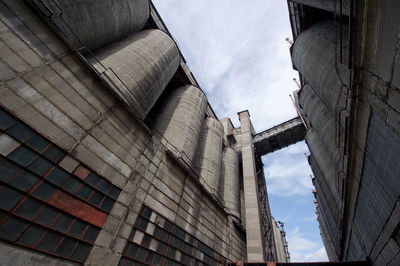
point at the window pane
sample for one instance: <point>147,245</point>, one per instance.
<point>146,212</point>
<point>66,247</point>
<point>9,197</point>
<point>24,181</point>
<point>63,222</point>
<point>146,241</point>
<point>132,251</point>
<point>31,235</point>
<point>77,228</point>
<point>141,224</point>
<point>57,176</point>
<point>72,184</point>
<point>107,204</point>
<point>93,179</point>
<point>6,120</point>
<point>7,170</point>
<point>149,258</point>
<point>114,193</point>
<point>81,251</point>
<point>54,154</point>
<point>28,208</point>
<point>38,143</point>
<point>104,186</point>
<point>44,191</point>
<point>96,198</point>
<point>40,166</point>
<point>84,192</point>
<point>11,228</point>
<point>91,234</point>
<point>157,260</point>
<point>50,241</point>
<point>22,156</point>
<point>20,132</point>
<point>141,254</point>
<point>171,252</point>
<point>46,216</point>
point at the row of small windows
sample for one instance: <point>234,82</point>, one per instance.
<point>37,196</point>
<point>156,241</point>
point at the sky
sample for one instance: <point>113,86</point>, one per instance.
<point>237,51</point>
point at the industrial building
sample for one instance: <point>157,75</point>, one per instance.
<point>110,151</point>
<point>346,53</point>
<point>112,155</point>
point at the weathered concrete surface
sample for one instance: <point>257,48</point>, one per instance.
<point>181,117</point>
<point>255,252</point>
<point>209,153</point>
<point>318,117</point>
<point>314,56</point>
<point>52,91</point>
<point>280,136</point>
<point>328,5</point>
<point>230,188</point>
<point>95,24</point>
<point>279,242</point>
<point>141,65</point>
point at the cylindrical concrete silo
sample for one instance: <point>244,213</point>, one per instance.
<point>231,185</point>
<point>181,117</point>
<point>313,54</point>
<point>208,155</point>
<point>324,159</point>
<point>328,5</point>
<point>101,22</point>
<point>279,243</point>
<point>319,118</point>
<point>145,63</point>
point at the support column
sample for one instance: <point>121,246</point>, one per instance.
<point>252,211</point>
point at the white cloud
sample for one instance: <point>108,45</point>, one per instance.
<point>303,249</point>
<point>287,172</point>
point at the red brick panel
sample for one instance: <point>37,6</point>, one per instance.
<point>78,208</point>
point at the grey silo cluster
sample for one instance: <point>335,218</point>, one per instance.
<point>138,64</point>
<point>314,56</point>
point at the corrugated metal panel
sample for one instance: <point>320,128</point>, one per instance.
<point>379,189</point>
<point>355,252</point>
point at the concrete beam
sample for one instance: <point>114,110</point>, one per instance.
<point>280,136</point>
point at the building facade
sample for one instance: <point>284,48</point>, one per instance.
<point>346,53</point>
<point>110,151</point>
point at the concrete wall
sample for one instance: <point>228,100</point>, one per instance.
<point>49,88</point>
<point>366,127</point>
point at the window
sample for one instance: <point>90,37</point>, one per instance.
<point>156,241</point>
<point>33,192</point>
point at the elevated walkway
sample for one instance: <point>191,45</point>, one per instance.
<point>280,136</point>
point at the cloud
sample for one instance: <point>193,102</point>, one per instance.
<point>303,249</point>
<point>287,172</point>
